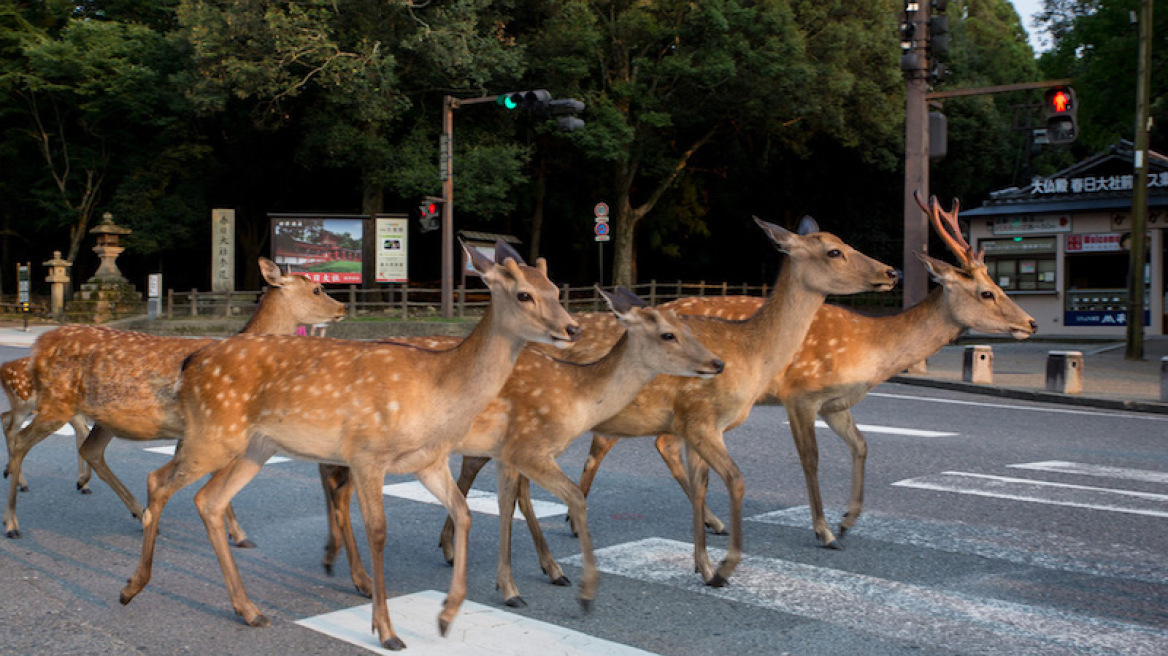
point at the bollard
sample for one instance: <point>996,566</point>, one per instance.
<point>1164,379</point>
<point>1064,372</point>
<point>977,365</point>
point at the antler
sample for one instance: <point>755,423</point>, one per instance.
<point>949,230</point>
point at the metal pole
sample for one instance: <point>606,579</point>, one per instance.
<point>448,105</point>
<point>916,165</point>
<point>1135,275</point>
<point>600,269</point>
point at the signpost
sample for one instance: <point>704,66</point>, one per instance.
<point>602,234</point>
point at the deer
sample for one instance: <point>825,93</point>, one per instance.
<point>754,351</point>
<point>383,408</point>
<point>847,353</point>
<point>16,381</point>
<point>124,382</point>
<point>544,405</point>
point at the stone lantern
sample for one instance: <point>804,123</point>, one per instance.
<point>58,277</point>
<point>107,295</point>
<point>108,234</point>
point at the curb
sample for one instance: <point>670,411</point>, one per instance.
<point>1034,395</point>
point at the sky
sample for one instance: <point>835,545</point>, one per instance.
<point>1026,9</point>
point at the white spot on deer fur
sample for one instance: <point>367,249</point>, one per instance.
<point>218,370</point>
<point>394,406</point>
<point>543,410</point>
<point>832,342</point>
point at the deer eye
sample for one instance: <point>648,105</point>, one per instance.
<point>668,337</point>
<point>835,252</point>
<point>524,297</point>
<point>987,295</point>
<point>317,291</point>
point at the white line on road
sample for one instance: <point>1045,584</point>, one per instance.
<point>1101,471</point>
<point>947,621</point>
<point>1061,552</point>
<point>478,500</point>
<point>478,629</point>
<point>168,450</point>
<point>1055,494</point>
<point>889,430</point>
<point>1065,411</point>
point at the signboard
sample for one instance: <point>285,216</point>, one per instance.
<point>222,250</point>
<point>22,283</point>
<point>601,231</point>
<point>1022,225</point>
<point>326,248</point>
<point>1017,246</point>
<point>392,248</point>
<point>1099,242</point>
<point>1094,184</point>
<point>1100,318</point>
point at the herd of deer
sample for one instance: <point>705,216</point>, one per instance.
<point>518,389</point>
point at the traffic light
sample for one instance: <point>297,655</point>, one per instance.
<point>541,103</point>
<point>429,210</point>
<point>1060,107</point>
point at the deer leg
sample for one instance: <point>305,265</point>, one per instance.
<point>507,481</point>
<point>440,483</point>
<point>93,451</point>
<point>84,471</point>
<point>11,420</point>
<point>338,492</point>
<point>547,562</point>
<point>19,445</point>
<point>669,446</point>
<point>710,446</point>
<point>845,426</point>
<point>213,501</point>
<point>802,418</point>
<point>235,530</point>
<point>601,445</point>
<point>471,466</point>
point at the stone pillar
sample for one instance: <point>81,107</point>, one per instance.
<point>978,364</point>
<point>108,234</point>
<point>58,277</point>
<point>1064,372</point>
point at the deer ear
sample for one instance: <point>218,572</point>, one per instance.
<point>480,264</point>
<point>503,250</point>
<point>271,272</point>
<point>621,305</point>
<point>807,225</point>
<point>780,237</point>
<point>939,271</point>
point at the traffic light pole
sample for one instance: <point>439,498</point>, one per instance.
<point>915,284</point>
<point>1135,276</point>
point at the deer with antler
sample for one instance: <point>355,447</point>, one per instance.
<point>755,350</point>
<point>545,404</point>
<point>380,408</point>
<point>846,354</point>
<point>124,382</point>
<point>16,381</point>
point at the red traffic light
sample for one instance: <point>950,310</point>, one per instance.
<point>432,208</point>
<point>1060,100</point>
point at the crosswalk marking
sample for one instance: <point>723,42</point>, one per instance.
<point>901,611</point>
<point>1124,473</point>
<point>478,629</point>
<point>168,450</point>
<point>890,430</point>
<point>1045,492</point>
<point>1059,552</point>
<point>478,500</point>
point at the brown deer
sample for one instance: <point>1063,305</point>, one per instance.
<point>755,350</point>
<point>846,354</point>
<point>16,380</point>
<point>379,408</point>
<point>545,404</point>
<point>124,381</point>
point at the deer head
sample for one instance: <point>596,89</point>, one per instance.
<point>827,265</point>
<point>300,297</point>
<point>661,336</point>
<point>973,298</point>
<point>523,298</point>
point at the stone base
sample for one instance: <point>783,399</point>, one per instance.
<point>101,301</point>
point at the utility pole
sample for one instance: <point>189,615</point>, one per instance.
<point>1135,275</point>
<point>914,63</point>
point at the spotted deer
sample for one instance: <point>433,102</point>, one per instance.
<point>846,354</point>
<point>375,408</point>
<point>754,350</point>
<point>545,404</point>
<point>16,381</point>
<point>124,381</point>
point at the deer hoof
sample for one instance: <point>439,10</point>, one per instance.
<point>246,543</point>
<point>394,644</point>
<point>714,531</point>
<point>83,489</point>
<point>260,622</point>
<point>515,602</point>
<point>12,534</point>
<point>586,605</point>
<point>443,627</point>
<point>834,545</point>
<point>717,581</point>
<point>328,569</point>
<point>563,582</point>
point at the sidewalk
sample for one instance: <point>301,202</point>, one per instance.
<point>1019,368</point>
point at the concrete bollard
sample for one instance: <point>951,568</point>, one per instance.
<point>1164,379</point>
<point>977,364</point>
<point>1064,372</point>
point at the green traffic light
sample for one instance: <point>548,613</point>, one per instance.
<point>509,101</point>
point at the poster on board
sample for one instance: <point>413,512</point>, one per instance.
<point>392,249</point>
<point>325,248</point>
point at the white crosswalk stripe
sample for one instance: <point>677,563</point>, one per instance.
<point>874,429</point>
<point>478,500</point>
<point>1100,471</point>
<point>168,450</point>
<point>952,621</point>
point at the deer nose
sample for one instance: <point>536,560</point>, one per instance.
<point>718,366</point>
<point>1033,326</point>
<point>892,273</point>
<point>573,331</point>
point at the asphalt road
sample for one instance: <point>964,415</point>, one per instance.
<point>999,527</point>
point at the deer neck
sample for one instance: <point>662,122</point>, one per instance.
<point>777,330</point>
<point>268,318</point>
<point>919,331</point>
<point>481,363</point>
<point>612,381</point>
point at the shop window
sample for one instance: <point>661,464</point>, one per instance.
<point>1023,274</point>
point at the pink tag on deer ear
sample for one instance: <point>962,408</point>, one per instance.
<point>301,331</point>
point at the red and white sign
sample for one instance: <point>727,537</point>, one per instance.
<point>602,231</point>
<point>1099,242</point>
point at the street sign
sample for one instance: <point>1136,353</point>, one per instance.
<point>602,231</point>
<point>601,211</point>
